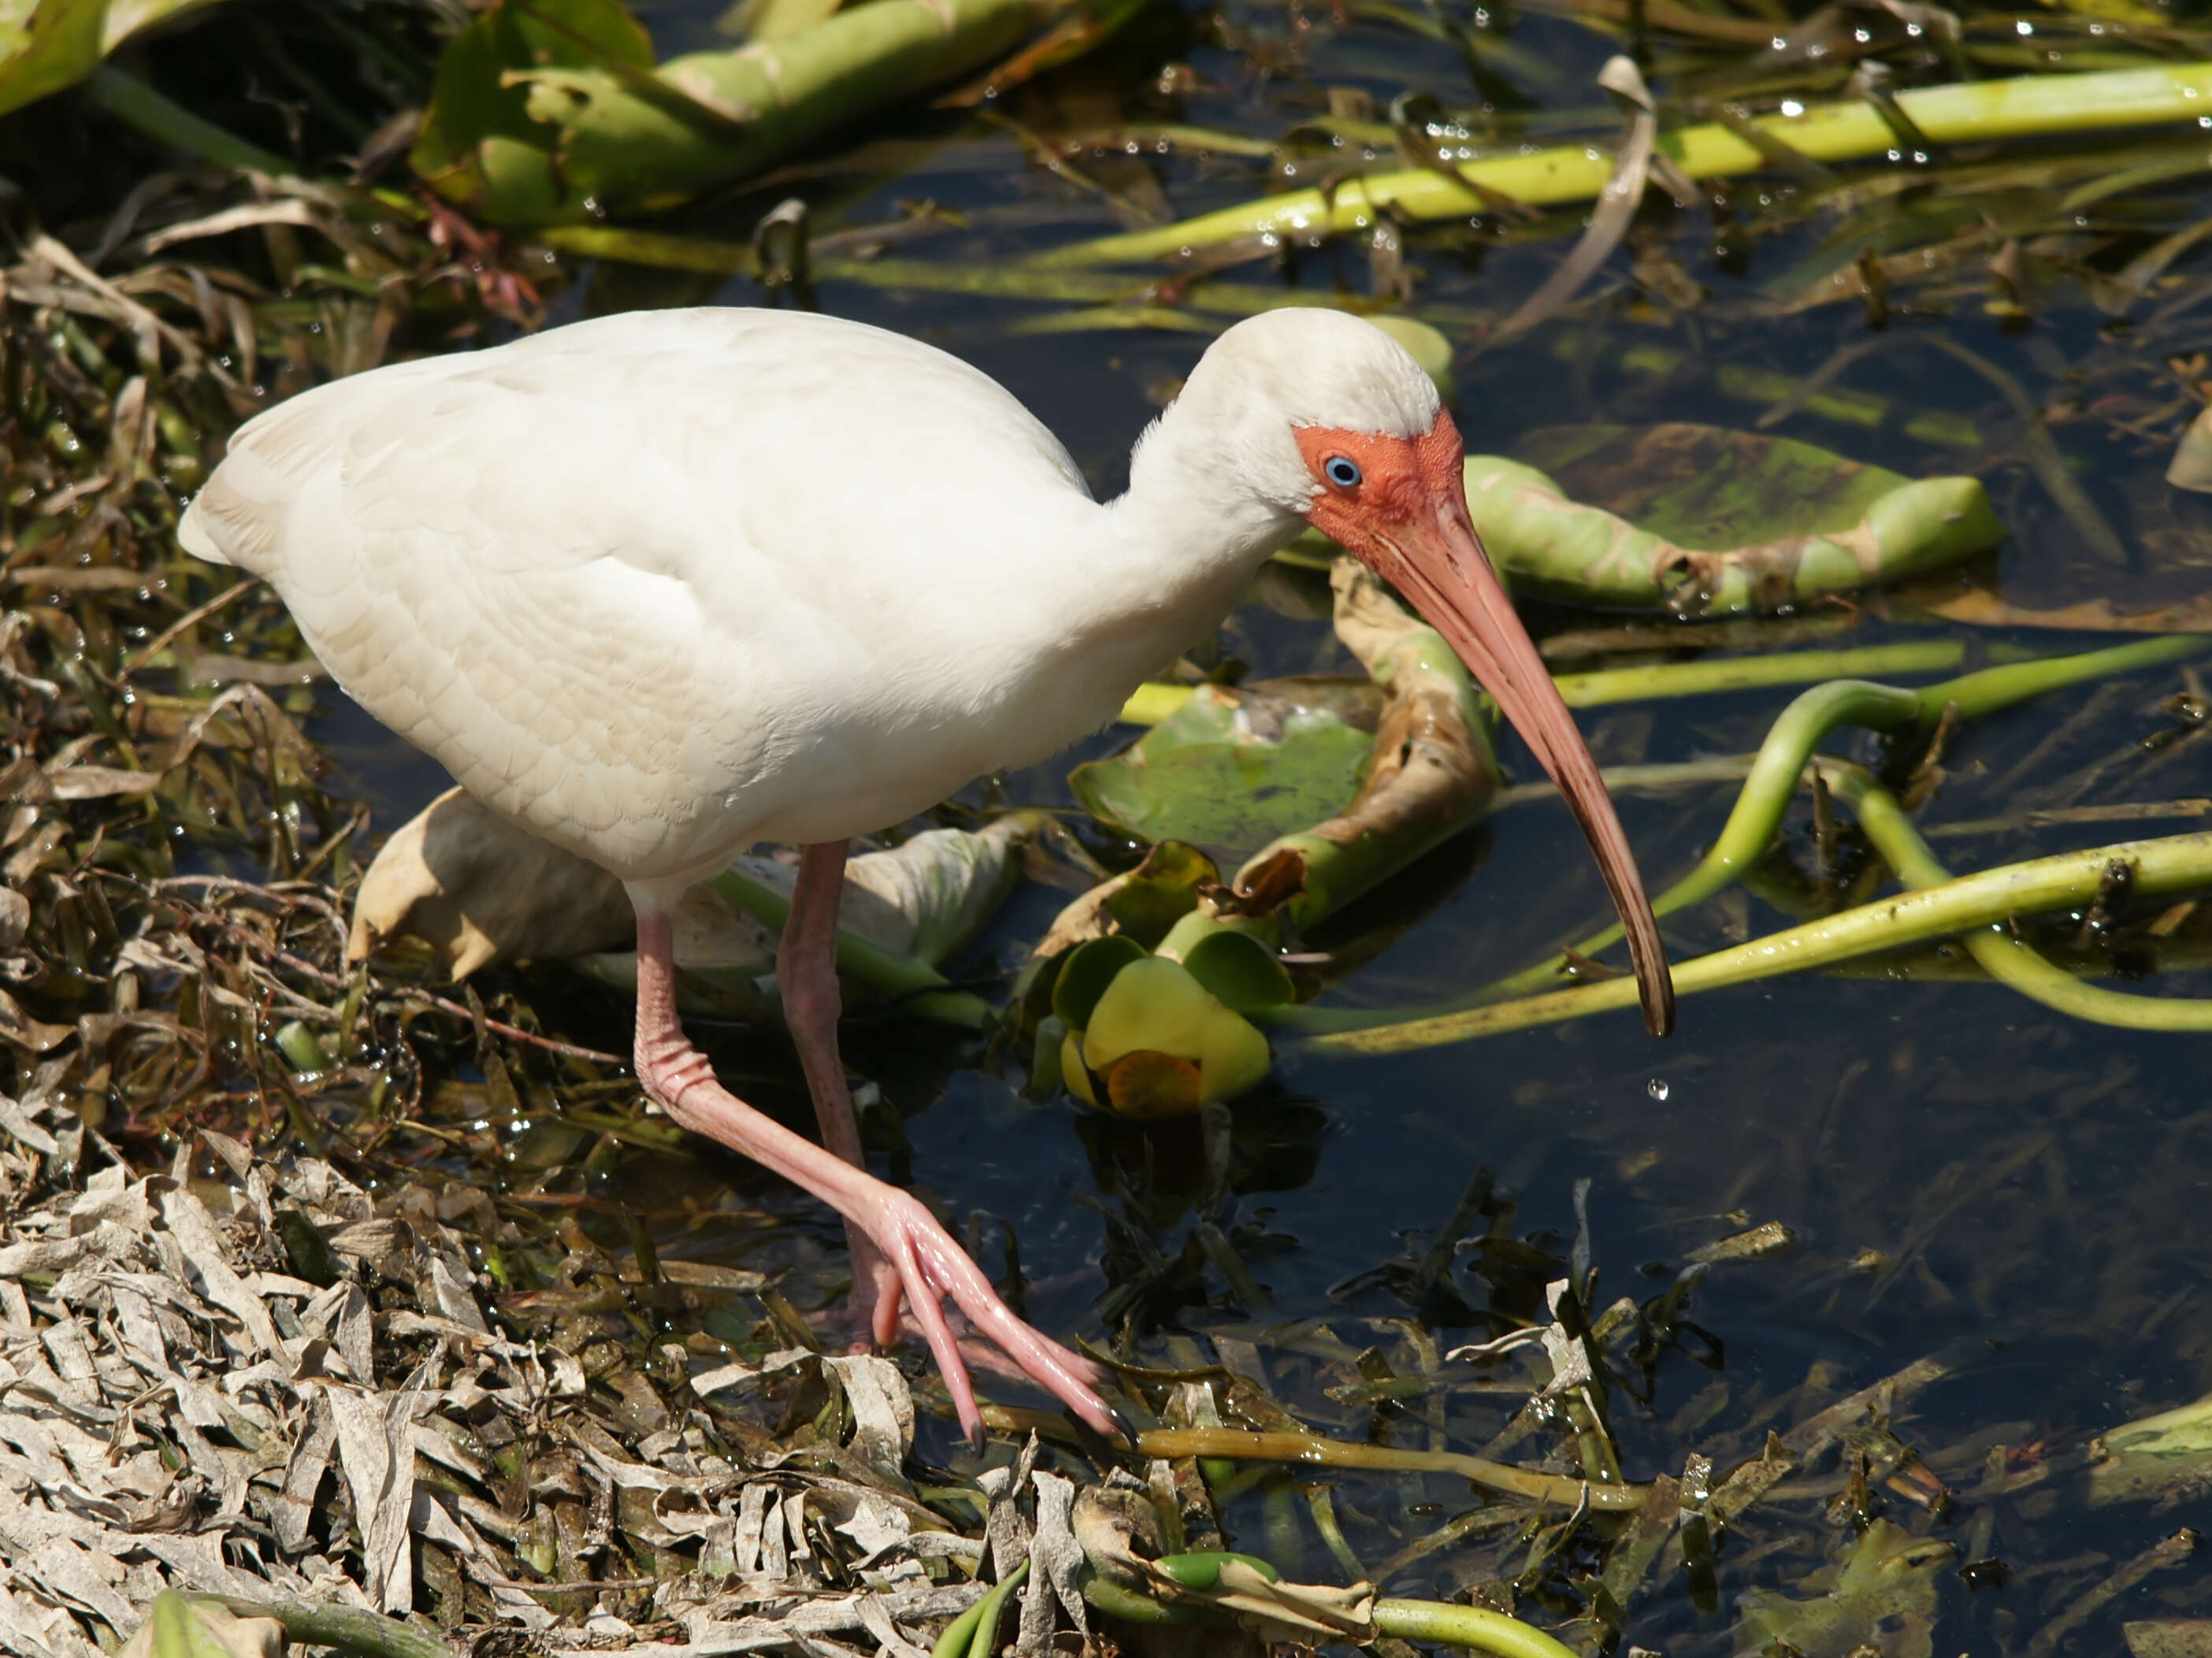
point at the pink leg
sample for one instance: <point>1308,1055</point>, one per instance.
<point>924,1262</point>
<point>806,971</point>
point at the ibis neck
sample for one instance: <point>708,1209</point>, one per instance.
<point>1191,530</point>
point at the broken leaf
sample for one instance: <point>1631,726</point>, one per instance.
<point>1710,521</point>
<point>1432,771</point>
<point>1884,1596</point>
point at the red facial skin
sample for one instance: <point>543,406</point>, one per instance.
<point>1407,520</point>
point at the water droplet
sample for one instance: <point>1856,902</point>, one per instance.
<point>1656,1088</point>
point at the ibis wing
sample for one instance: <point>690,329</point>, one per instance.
<point>615,577</point>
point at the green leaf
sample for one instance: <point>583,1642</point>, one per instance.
<point>1710,521</point>
<point>480,144</point>
<point>553,110</point>
<point>48,44</point>
<point>1084,976</point>
<point>1241,973</point>
<point>1231,770</point>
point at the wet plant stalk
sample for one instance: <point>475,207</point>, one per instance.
<point>1476,1628</point>
<point>2174,864</point>
<point>349,1628</point>
<point>1154,701</point>
<point>1603,686</point>
<point>133,102</point>
<point>976,1629</point>
<point>1243,1443</point>
<point>2033,106</point>
<point>2003,957</point>
<point>1800,728</point>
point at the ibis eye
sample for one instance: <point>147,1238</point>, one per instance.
<point>1342,472</point>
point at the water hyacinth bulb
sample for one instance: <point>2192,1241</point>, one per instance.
<point>1160,1044</point>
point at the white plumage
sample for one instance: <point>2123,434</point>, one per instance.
<point>663,584</point>
<point>659,586</point>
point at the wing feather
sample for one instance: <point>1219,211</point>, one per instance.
<point>615,576</point>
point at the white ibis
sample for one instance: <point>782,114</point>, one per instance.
<point>660,585</point>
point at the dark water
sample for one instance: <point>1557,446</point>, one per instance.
<point>2037,1187</point>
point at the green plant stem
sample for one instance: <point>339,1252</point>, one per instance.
<point>1127,1604</point>
<point>977,1629</point>
<point>1806,723</point>
<point>134,103</point>
<point>1476,1628</point>
<point>1605,686</point>
<point>2172,864</point>
<point>1776,773</point>
<point>1992,688</point>
<point>1320,1502</point>
<point>2008,960</point>
<point>1852,130</point>
<point>1243,1444</point>
<point>349,1629</point>
<point>921,988</point>
<point>1153,702</point>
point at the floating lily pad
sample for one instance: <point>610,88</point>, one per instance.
<point>1229,770</point>
<point>1712,521</point>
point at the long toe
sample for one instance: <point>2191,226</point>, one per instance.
<point>933,1267</point>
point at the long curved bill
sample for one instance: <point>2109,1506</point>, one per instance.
<point>1448,575</point>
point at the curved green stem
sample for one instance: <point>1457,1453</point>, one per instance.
<point>1775,774</point>
<point>2172,864</point>
<point>2006,959</point>
<point>976,1630</point>
<point>1806,722</point>
<point>1475,1628</point>
<point>1992,689</point>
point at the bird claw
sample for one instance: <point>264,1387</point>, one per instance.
<point>900,1252</point>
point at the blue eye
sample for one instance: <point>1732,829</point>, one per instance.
<point>1341,472</point>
